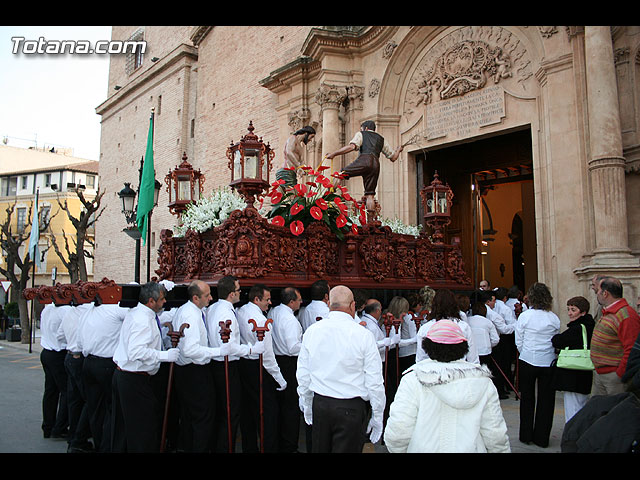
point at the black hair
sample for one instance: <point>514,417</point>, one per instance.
<point>319,289</point>
<point>226,286</point>
<point>258,290</point>
<point>444,305</point>
<point>151,290</point>
<point>369,125</point>
<point>612,285</point>
<point>442,352</point>
<point>288,295</point>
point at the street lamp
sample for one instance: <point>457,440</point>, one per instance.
<point>129,209</point>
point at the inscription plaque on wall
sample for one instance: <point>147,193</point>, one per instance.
<point>463,116</point>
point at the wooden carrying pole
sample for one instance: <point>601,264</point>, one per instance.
<point>260,333</point>
<point>225,333</point>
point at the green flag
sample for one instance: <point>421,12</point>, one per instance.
<point>147,186</point>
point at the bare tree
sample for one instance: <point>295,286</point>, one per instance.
<point>74,260</point>
<point>11,243</point>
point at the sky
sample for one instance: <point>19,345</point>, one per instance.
<point>48,99</point>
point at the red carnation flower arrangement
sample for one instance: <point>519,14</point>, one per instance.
<point>315,200</point>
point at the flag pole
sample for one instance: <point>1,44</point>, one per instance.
<point>33,277</point>
<point>153,127</point>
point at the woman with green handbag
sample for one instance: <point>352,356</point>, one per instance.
<point>576,384</point>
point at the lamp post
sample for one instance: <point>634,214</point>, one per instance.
<point>436,201</point>
<point>250,163</point>
<point>129,209</point>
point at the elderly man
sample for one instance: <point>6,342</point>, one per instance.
<point>339,369</point>
<point>613,337</point>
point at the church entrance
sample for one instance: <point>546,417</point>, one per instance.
<point>493,213</point>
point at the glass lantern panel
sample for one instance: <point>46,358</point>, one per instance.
<point>184,189</point>
<point>265,169</point>
<point>237,165</point>
<point>431,205</point>
<point>251,164</point>
<point>442,202</point>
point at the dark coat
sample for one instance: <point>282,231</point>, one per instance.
<point>565,380</point>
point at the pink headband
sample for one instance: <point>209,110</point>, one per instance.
<point>447,332</point>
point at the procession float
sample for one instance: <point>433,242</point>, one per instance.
<point>291,230</point>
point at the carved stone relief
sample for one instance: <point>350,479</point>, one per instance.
<point>467,59</point>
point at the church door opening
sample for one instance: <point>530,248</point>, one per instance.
<point>493,213</point>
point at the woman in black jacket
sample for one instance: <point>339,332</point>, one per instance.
<point>576,384</point>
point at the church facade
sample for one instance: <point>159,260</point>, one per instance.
<point>536,130</point>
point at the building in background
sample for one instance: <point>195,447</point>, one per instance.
<point>55,176</point>
<point>535,128</point>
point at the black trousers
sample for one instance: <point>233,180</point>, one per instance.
<point>288,406</point>
<point>339,425</point>
<point>536,408</point>
<point>195,390</point>
<point>97,374</point>
<point>55,411</point>
<point>220,427</point>
<point>79,429</point>
<point>134,421</point>
<point>250,417</point>
<point>367,166</point>
<point>160,382</point>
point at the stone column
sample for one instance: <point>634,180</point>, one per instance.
<point>606,163</point>
<point>330,97</point>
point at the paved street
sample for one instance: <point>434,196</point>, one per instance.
<point>21,409</point>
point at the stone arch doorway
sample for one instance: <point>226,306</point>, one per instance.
<point>492,181</point>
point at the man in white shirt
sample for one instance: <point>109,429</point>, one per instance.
<point>484,332</point>
<point>339,368</point>
<point>138,355</point>
<point>287,339</point>
<point>193,376</point>
<point>503,328</point>
<point>79,429</point>
<point>99,335</point>
<point>55,412</point>
<point>223,311</point>
<point>272,379</point>
<point>318,307</point>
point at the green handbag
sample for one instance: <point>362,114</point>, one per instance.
<point>579,359</point>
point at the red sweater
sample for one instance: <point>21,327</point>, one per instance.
<point>613,337</point>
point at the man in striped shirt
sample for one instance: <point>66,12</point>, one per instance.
<point>613,337</point>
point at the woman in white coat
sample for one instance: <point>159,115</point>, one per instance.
<point>445,404</point>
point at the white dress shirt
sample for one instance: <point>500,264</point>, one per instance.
<point>378,334</point>
<point>534,330</point>
<point>498,320</point>
<point>408,331</point>
<point>505,312</point>
<point>484,332</point>
<point>101,329</point>
<point>248,336</point>
<point>287,331</point>
<point>339,359</point>
<point>315,309</point>
<point>194,345</point>
<point>472,354</point>
<point>139,347</point>
<point>51,335</point>
<point>221,311</point>
<point>71,324</point>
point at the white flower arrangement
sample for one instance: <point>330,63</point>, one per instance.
<point>396,225</point>
<point>209,212</point>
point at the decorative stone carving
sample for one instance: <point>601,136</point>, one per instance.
<point>467,59</point>
<point>298,118</point>
<point>374,88</point>
<point>330,96</point>
<point>547,32</point>
<point>389,48</point>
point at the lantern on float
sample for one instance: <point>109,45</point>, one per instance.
<point>250,164</point>
<point>437,199</point>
